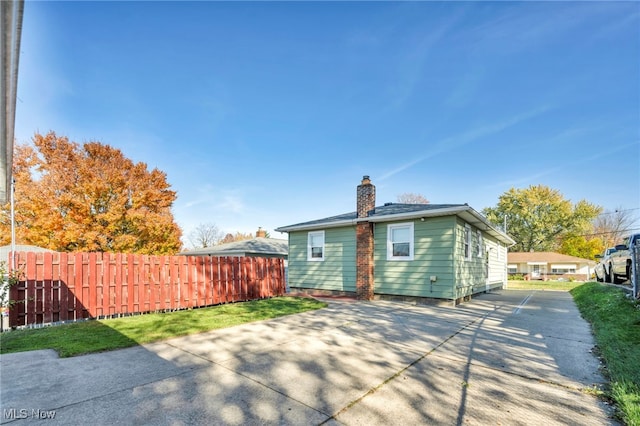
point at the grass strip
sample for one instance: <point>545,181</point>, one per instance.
<point>615,321</point>
<point>542,285</point>
<point>109,334</point>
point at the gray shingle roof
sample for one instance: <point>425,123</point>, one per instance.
<point>395,211</point>
<point>378,212</point>
<point>5,250</point>
<point>257,247</point>
<point>394,208</point>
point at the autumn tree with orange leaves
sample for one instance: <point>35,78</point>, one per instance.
<point>90,197</point>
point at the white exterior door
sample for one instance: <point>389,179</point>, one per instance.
<point>535,271</point>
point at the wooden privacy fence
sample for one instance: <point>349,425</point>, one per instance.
<point>71,286</point>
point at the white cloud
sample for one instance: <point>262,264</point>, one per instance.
<point>467,137</point>
<point>232,203</point>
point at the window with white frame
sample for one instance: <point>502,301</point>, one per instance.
<point>479,244</point>
<point>563,269</point>
<point>315,246</point>
<point>467,242</point>
<point>400,241</point>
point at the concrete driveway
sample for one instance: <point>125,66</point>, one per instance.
<point>512,357</point>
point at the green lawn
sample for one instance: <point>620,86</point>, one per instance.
<point>615,321</point>
<point>104,335</point>
<point>543,285</point>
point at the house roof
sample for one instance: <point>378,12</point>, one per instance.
<point>5,250</point>
<point>394,211</point>
<point>545,256</point>
<point>255,247</point>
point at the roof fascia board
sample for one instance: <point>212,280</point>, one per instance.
<point>459,211</point>
<point>414,215</point>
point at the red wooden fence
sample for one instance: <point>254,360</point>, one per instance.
<point>70,286</point>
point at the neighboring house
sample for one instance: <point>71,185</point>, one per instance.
<point>442,251</point>
<point>256,247</point>
<point>546,265</point>
<point>5,250</point>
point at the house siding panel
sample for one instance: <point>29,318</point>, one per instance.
<point>471,274</point>
<point>497,263</point>
<point>433,256</point>
<point>338,270</point>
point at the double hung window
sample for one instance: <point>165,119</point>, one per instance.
<point>400,241</point>
<point>315,246</point>
<point>467,242</point>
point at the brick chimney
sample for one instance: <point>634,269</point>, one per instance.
<point>366,202</point>
<point>261,233</point>
<point>366,197</point>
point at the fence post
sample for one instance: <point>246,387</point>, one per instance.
<point>47,299</point>
<point>56,288</point>
<point>30,293</point>
<point>215,279</point>
<point>82,284</point>
<point>94,282</point>
<point>63,258</point>
<point>174,283</point>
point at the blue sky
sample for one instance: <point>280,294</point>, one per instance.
<point>268,114</point>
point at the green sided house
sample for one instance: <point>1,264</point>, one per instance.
<point>435,251</point>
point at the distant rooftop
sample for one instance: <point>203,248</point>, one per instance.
<point>544,256</point>
<point>256,247</point>
<point>5,250</point>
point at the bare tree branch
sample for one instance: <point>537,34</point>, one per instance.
<point>411,198</point>
<point>205,235</point>
<point>612,226</point>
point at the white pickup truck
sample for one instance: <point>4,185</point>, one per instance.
<point>601,269</point>
<point>620,261</point>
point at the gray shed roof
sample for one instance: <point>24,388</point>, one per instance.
<point>256,247</point>
<point>394,211</point>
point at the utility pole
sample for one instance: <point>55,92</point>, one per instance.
<point>13,226</point>
<point>11,13</point>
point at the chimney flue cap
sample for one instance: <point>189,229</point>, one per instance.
<point>365,179</point>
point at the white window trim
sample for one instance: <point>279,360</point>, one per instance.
<point>480,244</point>
<point>390,255</point>
<point>467,248</point>
<point>309,239</point>
<point>563,266</point>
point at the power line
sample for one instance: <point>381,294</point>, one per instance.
<point>617,231</point>
<point>619,211</point>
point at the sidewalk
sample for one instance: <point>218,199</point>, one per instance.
<point>515,357</point>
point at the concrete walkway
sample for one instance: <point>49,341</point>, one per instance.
<point>513,357</point>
